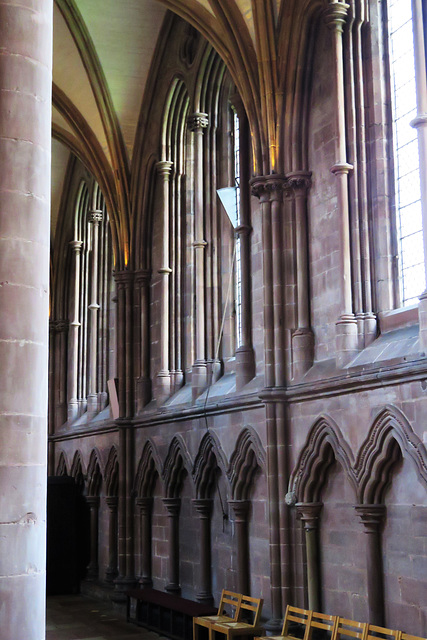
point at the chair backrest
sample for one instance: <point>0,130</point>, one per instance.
<point>407,636</point>
<point>323,621</point>
<point>254,605</point>
<point>350,629</point>
<point>230,600</point>
<point>381,633</point>
<point>298,616</point>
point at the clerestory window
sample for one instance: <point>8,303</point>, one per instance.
<point>406,156</point>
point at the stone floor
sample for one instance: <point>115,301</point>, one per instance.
<point>80,618</point>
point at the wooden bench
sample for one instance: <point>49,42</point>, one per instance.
<point>165,613</point>
<point>230,601</point>
<point>248,607</point>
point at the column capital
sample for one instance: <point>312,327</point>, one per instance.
<point>268,188</point>
<point>419,121</point>
<point>198,121</point>
<point>204,507</point>
<point>145,505</point>
<point>371,515</point>
<point>335,15</point>
<point>299,182</point>
<point>123,278</point>
<point>76,245</point>
<point>58,326</point>
<point>240,508</point>
<point>142,277</point>
<point>93,501</point>
<point>112,502</point>
<point>172,505</point>
<point>96,216</point>
<point>164,167</point>
<point>310,514</point>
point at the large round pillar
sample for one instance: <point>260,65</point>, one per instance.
<point>25,139</point>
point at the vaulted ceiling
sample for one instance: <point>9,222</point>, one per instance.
<point>102,54</point>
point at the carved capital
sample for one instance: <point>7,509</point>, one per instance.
<point>76,245</point>
<point>145,505</point>
<point>341,168</point>
<point>164,168</point>
<point>268,188</point>
<point>96,216</point>
<point>173,506</point>
<point>112,502</point>
<point>93,502</point>
<point>371,515</point>
<point>309,513</point>
<point>241,509</point>
<point>419,121</point>
<point>200,244</point>
<point>203,507</point>
<point>198,121</point>
<point>299,182</point>
<point>243,230</point>
<point>123,279</point>
<point>335,15</point>
<point>58,326</point>
<point>142,277</point>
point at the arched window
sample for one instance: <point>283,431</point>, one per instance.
<point>405,148</point>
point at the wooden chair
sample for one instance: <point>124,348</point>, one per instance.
<point>407,636</point>
<point>324,622</point>
<point>229,600</point>
<point>350,629</point>
<point>239,627</point>
<point>295,615</point>
<point>381,633</point>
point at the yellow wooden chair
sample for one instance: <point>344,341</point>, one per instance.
<point>350,629</point>
<point>322,621</point>
<point>230,601</point>
<point>240,627</point>
<point>296,615</point>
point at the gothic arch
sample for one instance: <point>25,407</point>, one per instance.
<point>62,466</point>
<point>325,443</point>
<point>177,464</point>
<point>210,458</point>
<point>94,476</point>
<point>148,471</point>
<point>248,457</point>
<point>379,453</point>
<point>76,471</point>
<point>111,474</point>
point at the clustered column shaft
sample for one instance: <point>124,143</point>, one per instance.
<point>173,506</point>
<point>310,514</point>
<point>95,219</point>
<point>146,508</point>
<point>204,508</point>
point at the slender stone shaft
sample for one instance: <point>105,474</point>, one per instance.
<point>112,571</point>
<point>25,142</point>
<point>204,509</point>
<point>146,508</point>
<point>173,506</point>
<point>372,516</point>
<point>92,405</point>
<point>310,513</point>
<point>241,510</point>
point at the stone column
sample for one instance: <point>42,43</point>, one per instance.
<point>346,326</point>
<point>112,570</point>
<point>145,509</point>
<point>203,507</point>
<point>245,356</point>
<point>173,506</point>
<point>124,283</point>
<point>92,569</point>
<point>95,218</point>
<point>420,123</point>
<point>372,517</point>
<point>25,143</point>
<point>241,510</point>
<point>197,123</point>
<point>143,382</point>
<point>302,338</point>
<point>164,169</point>
<point>73,361</point>
<point>310,514</point>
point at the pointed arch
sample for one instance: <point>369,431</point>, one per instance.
<point>325,444</point>
<point>209,460</point>
<point>177,465</point>
<point>378,454</point>
<point>62,466</point>
<point>76,471</point>
<point>148,471</point>
<point>248,457</point>
<point>111,474</point>
<point>94,476</point>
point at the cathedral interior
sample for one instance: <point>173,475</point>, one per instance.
<point>213,306</point>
